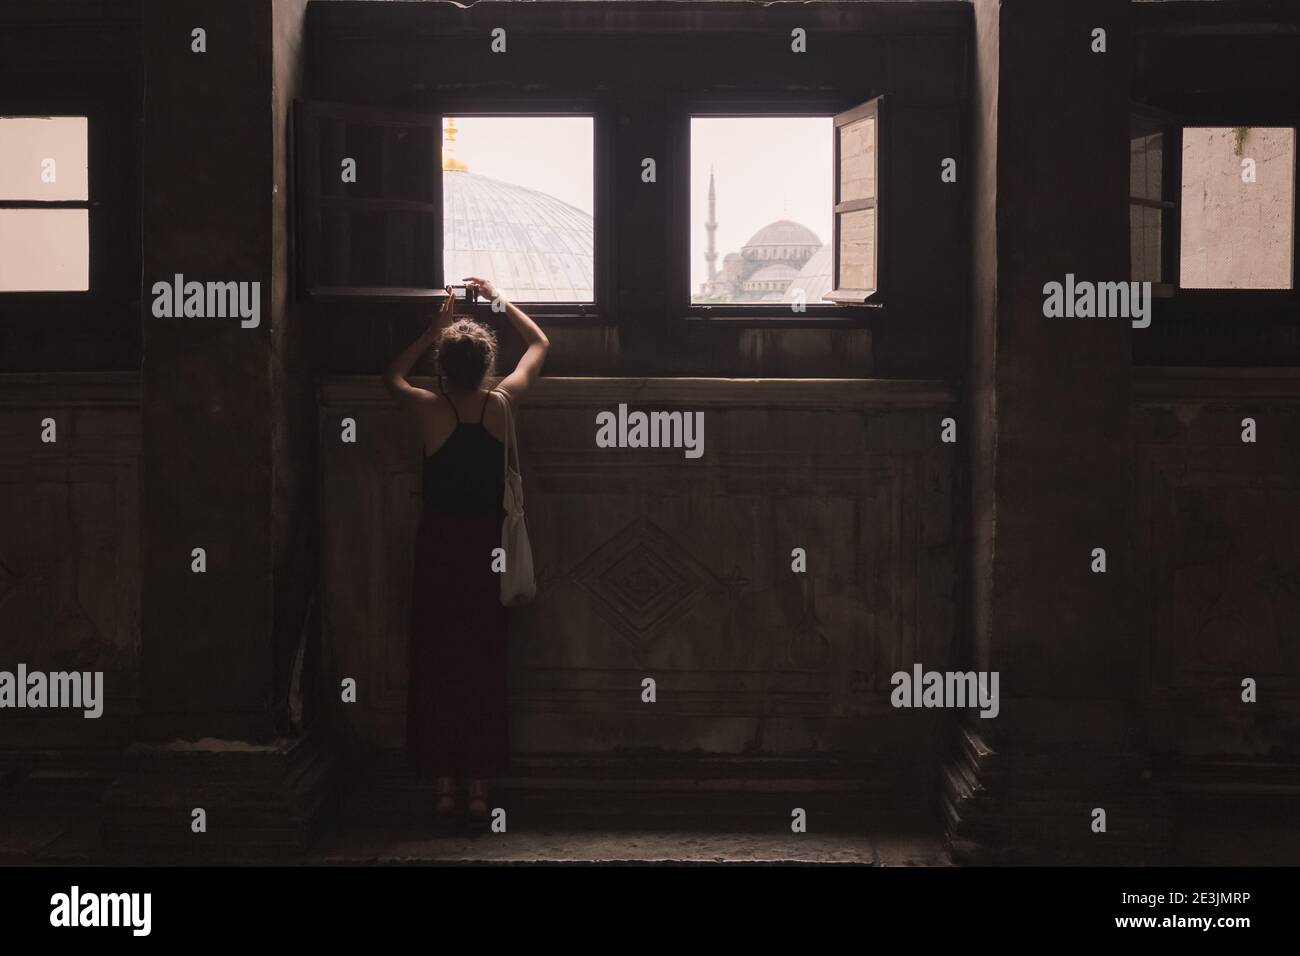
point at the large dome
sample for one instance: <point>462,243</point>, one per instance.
<point>533,246</point>
<point>782,239</point>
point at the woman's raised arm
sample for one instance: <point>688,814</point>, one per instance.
<point>395,375</point>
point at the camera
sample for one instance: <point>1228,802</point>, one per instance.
<point>464,293</point>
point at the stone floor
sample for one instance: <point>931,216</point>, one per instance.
<point>72,839</point>
<point>655,846</point>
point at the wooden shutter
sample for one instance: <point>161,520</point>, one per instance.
<point>855,275</point>
<point>1155,161</point>
<point>379,237</point>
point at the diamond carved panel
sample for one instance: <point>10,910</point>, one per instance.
<point>642,578</point>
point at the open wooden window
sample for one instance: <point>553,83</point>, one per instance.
<point>855,274</point>
<point>369,196</point>
<point>1154,152</point>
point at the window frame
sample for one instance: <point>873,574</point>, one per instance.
<point>432,111</point>
<point>872,108</point>
<point>678,171</point>
<point>101,215</point>
<point>1187,305</point>
<point>1170,202</point>
<point>602,220</point>
<point>305,240</point>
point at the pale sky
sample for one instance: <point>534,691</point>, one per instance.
<point>552,154</point>
<point>765,168</point>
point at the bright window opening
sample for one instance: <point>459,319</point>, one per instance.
<point>518,202</point>
<point>1237,207</point>
<point>761,206</point>
<point>44,208</point>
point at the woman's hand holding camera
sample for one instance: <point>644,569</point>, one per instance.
<point>483,287</point>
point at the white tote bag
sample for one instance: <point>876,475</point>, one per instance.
<point>517,583</point>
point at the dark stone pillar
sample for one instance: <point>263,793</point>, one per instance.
<point>1051,448</point>
<point>206,389</point>
<point>222,422</point>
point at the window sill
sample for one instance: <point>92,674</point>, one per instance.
<point>808,320</point>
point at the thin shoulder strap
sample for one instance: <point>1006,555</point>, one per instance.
<point>449,401</point>
<point>483,411</point>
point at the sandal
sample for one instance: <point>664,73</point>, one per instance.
<point>444,808</point>
<point>477,814</point>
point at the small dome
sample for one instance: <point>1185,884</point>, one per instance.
<point>774,272</point>
<point>814,279</point>
<point>783,232</point>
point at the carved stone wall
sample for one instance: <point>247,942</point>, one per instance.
<point>1219,559</point>
<point>653,565</point>
<point>69,540</point>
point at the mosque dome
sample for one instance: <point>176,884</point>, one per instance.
<point>783,239</point>
<point>533,246</point>
<point>773,277</point>
<point>814,278</point>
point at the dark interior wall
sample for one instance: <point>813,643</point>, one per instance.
<point>1218,521</point>
<point>222,454</point>
<point>632,60</point>
<point>652,565</point>
<point>81,59</point>
<point>1220,64</point>
<point>70,518</point>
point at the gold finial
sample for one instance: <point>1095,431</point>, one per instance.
<point>450,162</point>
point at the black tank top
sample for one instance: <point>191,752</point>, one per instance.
<point>464,475</point>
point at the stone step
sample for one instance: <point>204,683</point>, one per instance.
<point>741,794</point>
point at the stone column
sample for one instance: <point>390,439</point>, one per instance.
<point>1051,417</point>
<point>219,440</point>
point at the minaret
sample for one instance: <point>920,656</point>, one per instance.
<point>711,227</point>
<point>451,163</point>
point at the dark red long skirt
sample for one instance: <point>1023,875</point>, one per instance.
<point>456,699</point>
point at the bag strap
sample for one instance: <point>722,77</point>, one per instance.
<point>512,439</point>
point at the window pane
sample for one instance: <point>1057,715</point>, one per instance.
<point>518,197</point>
<point>43,157</point>
<point>1145,157</point>
<point>761,197</point>
<point>44,250</point>
<point>1237,234</point>
<point>1145,225</point>
<point>857,250</point>
<point>391,162</point>
<point>365,247</point>
<point>858,160</point>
